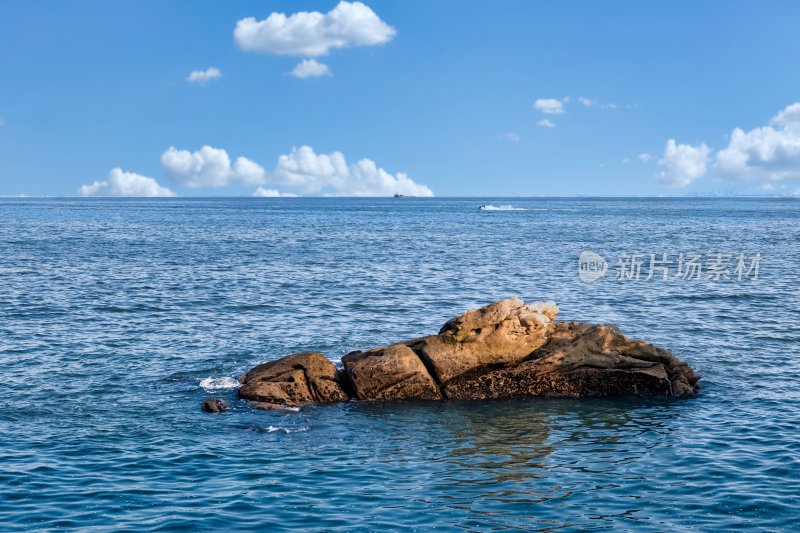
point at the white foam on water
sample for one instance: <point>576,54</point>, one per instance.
<point>501,208</point>
<point>227,382</point>
<point>273,429</point>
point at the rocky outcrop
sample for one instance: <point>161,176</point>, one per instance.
<point>506,349</point>
<point>582,360</point>
<point>296,379</point>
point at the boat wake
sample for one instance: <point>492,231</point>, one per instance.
<point>501,208</point>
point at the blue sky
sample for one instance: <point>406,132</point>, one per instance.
<point>413,97</point>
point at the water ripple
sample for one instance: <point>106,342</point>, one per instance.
<point>117,316</point>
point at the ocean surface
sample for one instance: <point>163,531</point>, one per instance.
<point>118,317</point>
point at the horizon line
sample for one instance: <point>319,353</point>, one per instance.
<point>584,196</point>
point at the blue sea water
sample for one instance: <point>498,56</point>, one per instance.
<point>112,313</point>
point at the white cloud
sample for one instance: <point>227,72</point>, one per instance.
<point>313,33</point>
<point>551,106</point>
<point>309,68</point>
<point>683,163</point>
<point>511,136</point>
<point>201,77</point>
<point>626,161</point>
<point>769,153</point>
<point>302,171</point>
<point>546,123</point>
<point>261,192</point>
<point>120,183</point>
<point>789,117</point>
<point>589,102</point>
<point>644,157</point>
<point>210,167</point>
<point>329,174</point>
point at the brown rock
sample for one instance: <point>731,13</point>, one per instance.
<point>214,405</point>
<point>502,333</point>
<point>390,373</point>
<point>583,360</point>
<point>307,377</point>
<point>506,349</point>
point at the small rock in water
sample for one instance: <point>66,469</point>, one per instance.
<point>214,405</point>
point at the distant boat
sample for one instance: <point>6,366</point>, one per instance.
<point>398,195</point>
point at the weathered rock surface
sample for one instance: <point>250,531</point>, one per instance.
<point>506,349</point>
<point>502,333</point>
<point>391,373</point>
<point>583,360</point>
<point>307,377</point>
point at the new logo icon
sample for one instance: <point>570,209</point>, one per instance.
<point>591,267</point>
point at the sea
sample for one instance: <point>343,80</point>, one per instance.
<point>119,316</point>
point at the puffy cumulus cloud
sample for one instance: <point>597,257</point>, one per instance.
<point>768,153</point>
<point>201,77</point>
<point>313,33</point>
<point>511,136</point>
<point>248,172</point>
<point>682,163</point>
<point>551,106</point>
<point>309,68</point>
<point>789,117</point>
<point>546,123</point>
<point>644,157</point>
<point>261,192</point>
<point>305,170</point>
<point>329,174</point>
<point>210,167</point>
<point>588,102</point>
<point>121,183</point>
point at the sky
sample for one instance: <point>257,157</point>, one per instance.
<point>445,98</point>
